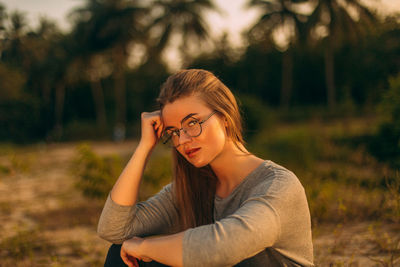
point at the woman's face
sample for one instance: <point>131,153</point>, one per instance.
<point>203,149</point>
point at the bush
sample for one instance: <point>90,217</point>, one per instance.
<point>385,145</point>
<point>256,115</point>
<point>296,148</point>
<point>21,120</point>
<point>81,130</point>
<point>96,174</point>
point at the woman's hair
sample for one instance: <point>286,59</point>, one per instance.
<point>195,187</point>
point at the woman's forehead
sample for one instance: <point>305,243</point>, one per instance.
<point>173,113</point>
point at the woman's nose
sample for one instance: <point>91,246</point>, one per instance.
<point>184,138</point>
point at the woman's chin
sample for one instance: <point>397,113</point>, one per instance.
<point>198,163</point>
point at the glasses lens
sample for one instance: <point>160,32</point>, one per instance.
<point>192,127</point>
<point>166,138</point>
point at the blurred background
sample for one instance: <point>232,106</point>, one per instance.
<point>318,82</point>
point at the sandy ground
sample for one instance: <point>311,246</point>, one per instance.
<point>45,221</point>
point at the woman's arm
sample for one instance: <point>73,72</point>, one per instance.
<point>122,217</point>
<point>157,215</point>
<point>125,190</point>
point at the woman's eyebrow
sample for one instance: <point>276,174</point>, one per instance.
<point>185,118</point>
<point>188,116</point>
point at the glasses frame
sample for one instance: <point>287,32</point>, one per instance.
<point>178,131</point>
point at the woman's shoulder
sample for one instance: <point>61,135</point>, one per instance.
<point>272,178</point>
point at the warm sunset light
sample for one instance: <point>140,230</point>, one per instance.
<point>200,133</point>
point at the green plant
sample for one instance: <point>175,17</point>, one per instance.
<point>96,174</point>
<point>298,148</point>
<point>393,187</point>
<point>386,243</point>
<point>158,171</point>
<point>386,143</point>
<point>256,115</point>
<point>25,243</point>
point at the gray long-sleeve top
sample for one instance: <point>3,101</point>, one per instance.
<point>265,218</point>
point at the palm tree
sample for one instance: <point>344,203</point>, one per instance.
<point>183,18</point>
<point>14,35</point>
<point>280,15</point>
<point>89,65</point>
<point>335,23</point>
<point>3,16</point>
<point>109,27</point>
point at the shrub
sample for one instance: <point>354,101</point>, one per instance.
<point>157,174</point>
<point>21,120</point>
<point>96,174</point>
<point>385,145</point>
<point>256,115</point>
<point>296,148</point>
<point>24,244</point>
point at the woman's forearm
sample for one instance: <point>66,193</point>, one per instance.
<point>126,189</point>
<point>165,249</point>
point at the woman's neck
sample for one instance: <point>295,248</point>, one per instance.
<point>232,166</point>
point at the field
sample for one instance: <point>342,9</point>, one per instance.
<point>49,215</point>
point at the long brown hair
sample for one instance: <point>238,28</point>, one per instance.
<point>195,187</point>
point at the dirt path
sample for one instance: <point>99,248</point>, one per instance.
<point>47,222</point>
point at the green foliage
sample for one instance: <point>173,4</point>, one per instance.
<point>385,242</point>
<point>21,121</point>
<point>83,130</point>
<point>12,82</point>
<point>59,70</point>
<point>297,148</point>
<point>386,143</point>
<point>157,174</point>
<point>390,105</point>
<point>25,243</point>
<point>393,187</point>
<point>256,115</point>
<point>96,174</point>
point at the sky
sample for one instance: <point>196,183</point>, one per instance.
<point>234,18</point>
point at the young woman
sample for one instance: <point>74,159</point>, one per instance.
<point>225,206</point>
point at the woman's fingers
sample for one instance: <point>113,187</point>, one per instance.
<point>128,259</point>
<point>145,259</point>
<point>151,127</point>
<point>124,257</point>
<point>134,261</point>
<point>159,130</point>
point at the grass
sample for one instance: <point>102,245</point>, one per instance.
<point>354,199</point>
<point>343,182</point>
<point>24,244</point>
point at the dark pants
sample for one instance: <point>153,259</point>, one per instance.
<point>264,258</point>
<point>114,259</point>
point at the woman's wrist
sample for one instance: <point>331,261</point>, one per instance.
<point>145,146</point>
<point>144,248</point>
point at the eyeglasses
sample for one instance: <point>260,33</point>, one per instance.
<point>190,126</point>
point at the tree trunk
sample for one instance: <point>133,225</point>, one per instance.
<point>59,110</point>
<point>98,97</point>
<point>120,95</point>
<point>330,76</point>
<point>287,78</point>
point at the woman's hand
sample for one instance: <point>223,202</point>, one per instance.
<point>152,128</point>
<point>130,252</point>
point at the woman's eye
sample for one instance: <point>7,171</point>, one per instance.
<point>192,123</point>
<point>174,133</point>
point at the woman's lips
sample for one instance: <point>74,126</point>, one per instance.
<point>191,152</point>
